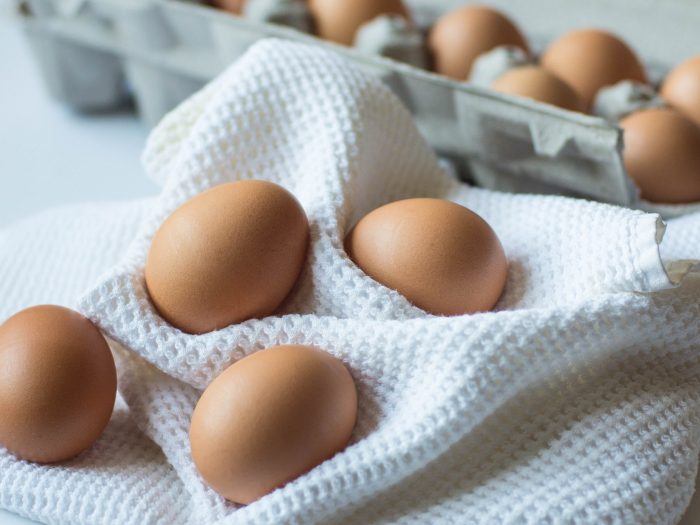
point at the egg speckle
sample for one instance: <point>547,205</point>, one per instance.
<point>590,59</point>
<point>271,417</point>
<point>681,89</point>
<point>339,20</point>
<point>441,256</point>
<point>58,384</point>
<point>538,84</point>
<point>662,155</point>
<point>460,36</point>
<point>229,254</point>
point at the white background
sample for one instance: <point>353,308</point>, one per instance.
<point>50,156</point>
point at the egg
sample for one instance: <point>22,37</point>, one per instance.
<point>590,59</point>
<point>271,417</point>
<point>58,384</point>
<point>681,89</point>
<point>460,36</point>
<point>229,254</point>
<point>232,6</point>
<point>441,256</point>
<point>339,20</point>
<point>539,84</point>
<point>662,155</point>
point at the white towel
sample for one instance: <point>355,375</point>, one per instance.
<point>576,401</point>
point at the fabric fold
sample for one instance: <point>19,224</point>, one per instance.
<point>575,401</point>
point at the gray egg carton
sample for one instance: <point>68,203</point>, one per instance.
<point>95,53</point>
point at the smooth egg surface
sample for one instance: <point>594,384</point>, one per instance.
<point>460,36</point>
<point>662,155</point>
<point>681,88</point>
<point>590,59</point>
<point>232,6</point>
<point>229,254</point>
<point>58,384</point>
<point>538,84</point>
<point>339,20</point>
<point>271,417</point>
<point>441,256</point>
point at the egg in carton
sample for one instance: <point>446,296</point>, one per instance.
<point>168,50</point>
<point>662,154</point>
<point>165,50</point>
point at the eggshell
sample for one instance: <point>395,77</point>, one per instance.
<point>589,59</point>
<point>461,35</point>
<point>662,155</point>
<point>441,256</point>
<point>539,84</point>
<point>681,89</point>
<point>232,6</point>
<point>229,254</point>
<point>339,20</point>
<point>58,384</point>
<point>270,418</point>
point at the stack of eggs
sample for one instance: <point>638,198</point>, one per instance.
<point>231,254</point>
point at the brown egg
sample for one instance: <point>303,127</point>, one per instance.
<point>232,6</point>
<point>460,36</point>
<point>229,254</point>
<point>539,84</point>
<point>58,384</point>
<point>339,20</point>
<point>681,89</point>
<point>271,417</point>
<point>441,256</point>
<point>662,155</point>
<point>590,59</point>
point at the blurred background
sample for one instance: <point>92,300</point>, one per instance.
<point>50,155</point>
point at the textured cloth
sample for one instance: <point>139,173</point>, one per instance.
<point>576,401</point>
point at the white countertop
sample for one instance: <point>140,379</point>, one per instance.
<point>52,156</point>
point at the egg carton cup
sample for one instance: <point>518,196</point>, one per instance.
<point>497,62</point>
<point>586,285</point>
<point>94,52</point>
<point>624,98</point>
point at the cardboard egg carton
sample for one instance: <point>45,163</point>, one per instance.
<point>96,53</point>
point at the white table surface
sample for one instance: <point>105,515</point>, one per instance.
<point>50,156</point>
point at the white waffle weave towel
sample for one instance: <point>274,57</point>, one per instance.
<point>576,401</point>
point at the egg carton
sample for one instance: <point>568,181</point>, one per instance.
<point>95,53</point>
